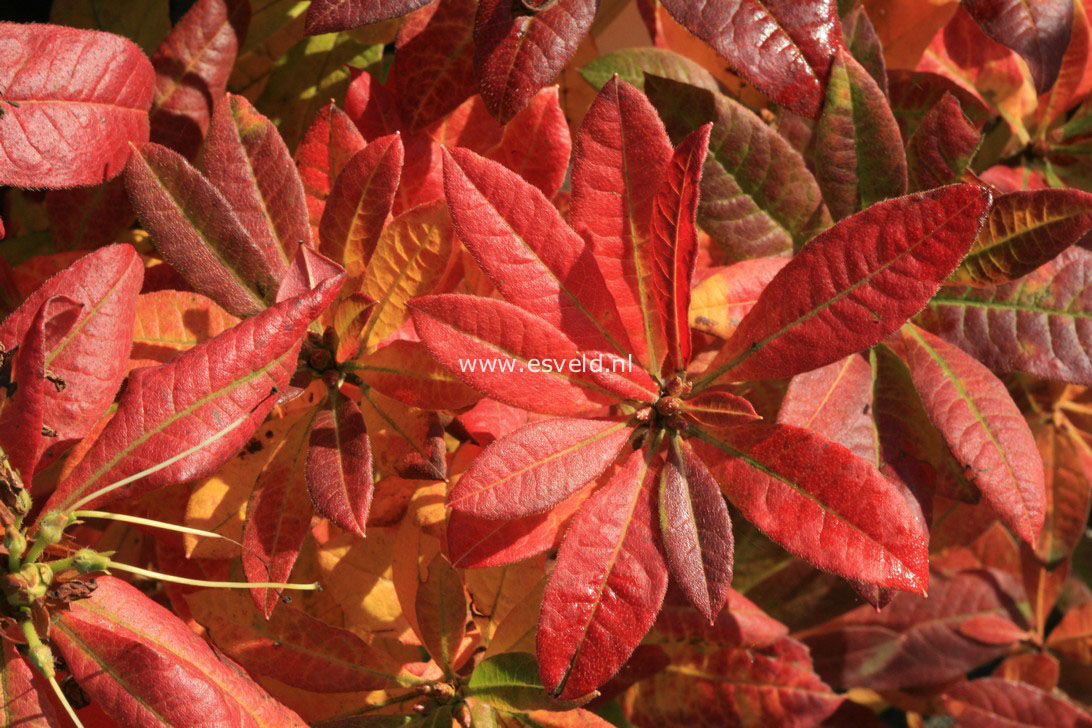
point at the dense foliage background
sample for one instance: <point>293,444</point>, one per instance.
<point>250,246</point>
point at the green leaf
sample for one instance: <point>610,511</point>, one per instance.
<point>510,681</point>
<point>631,65</point>
<point>308,76</point>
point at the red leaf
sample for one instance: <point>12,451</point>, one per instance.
<point>433,70</point>
<point>620,156</point>
<point>21,419</point>
<point>916,640</point>
<point>278,516</point>
<point>984,428</point>
<point>308,269</point>
<point>992,629</point>
<point>406,371</point>
<point>92,361</point>
<point>327,146</point>
<point>516,55</point>
<point>536,143</point>
<point>536,261</point>
<point>192,67</point>
<point>914,94</point>
<point>328,16</point>
<point>724,297</point>
<point>783,47</point>
<point>359,203</point>
<point>942,147</point>
<point>167,409</point>
<point>505,352</point>
<point>854,284</point>
<point>246,159</point>
<point>697,531</point>
<point>292,646</point>
<point>339,465</point>
<point>718,407</point>
<point>607,586</point>
<point>537,466</point>
<point>73,102</point>
<point>1025,229</point>
<point>1037,324</point>
<point>834,401</point>
<point>196,231</point>
<point>990,702</point>
<point>144,666</point>
<point>372,107</point>
<point>822,503</point>
<point>24,693</point>
<point>775,686</point>
<point>675,245</point>
<point>1038,31</point>
<point>476,543</point>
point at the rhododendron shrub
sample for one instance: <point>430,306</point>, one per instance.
<point>550,363</point>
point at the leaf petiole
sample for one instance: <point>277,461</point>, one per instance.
<point>314,586</point>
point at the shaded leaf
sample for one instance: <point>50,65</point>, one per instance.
<point>516,54</point>
<point>196,231</point>
<point>192,67</point>
<point>834,401</point>
<point>916,640</point>
<point>326,16</point>
<point>290,646</point>
<point>784,48</point>
<point>433,69</point>
<point>88,217</point>
<point>145,24</point>
<point>737,687</point>
<point>1024,230</point>
<point>631,65</point>
<point>405,440</point>
<point>278,516</point>
<point>1039,32</point>
<point>510,682</point>
<point>859,155</point>
<point>1037,324</point>
<point>73,102</point>
<point>990,701</point>
<point>697,531</point>
<point>1068,464</point>
<point>860,37</point>
<point>339,464</point>
<point>440,609</point>
<point>758,197</point>
<point>942,146</point>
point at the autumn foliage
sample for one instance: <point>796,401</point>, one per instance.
<point>455,363</point>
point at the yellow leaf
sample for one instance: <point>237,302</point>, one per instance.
<point>409,260</point>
